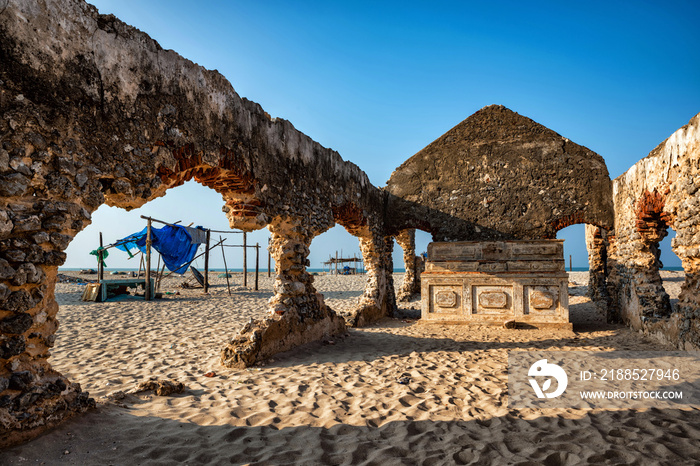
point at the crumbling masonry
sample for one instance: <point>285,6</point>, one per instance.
<point>659,192</point>
<point>93,111</point>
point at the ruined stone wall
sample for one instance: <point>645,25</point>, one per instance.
<point>597,247</point>
<point>94,111</point>
<point>659,192</point>
<point>411,282</point>
<point>499,175</point>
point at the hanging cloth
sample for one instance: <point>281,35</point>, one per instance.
<point>198,234</point>
<point>173,242</point>
<point>100,258</point>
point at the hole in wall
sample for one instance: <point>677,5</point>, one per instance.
<point>582,311</point>
<point>422,239</point>
<point>112,346</point>
<point>575,252</point>
<point>341,292</point>
<point>671,271</point>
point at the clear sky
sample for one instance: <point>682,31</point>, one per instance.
<point>378,81</point>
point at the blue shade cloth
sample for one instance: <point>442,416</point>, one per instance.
<point>173,242</point>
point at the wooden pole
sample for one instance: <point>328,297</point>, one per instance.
<point>257,264</point>
<point>570,267</point>
<point>148,261</point>
<point>100,267</point>
<point>158,270</point>
<point>228,284</point>
<point>140,265</point>
<point>160,277</point>
<point>336,263</point>
<point>206,263</point>
<point>245,259</point>
<point>268,257</point>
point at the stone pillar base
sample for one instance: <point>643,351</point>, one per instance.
<point>261,339</point>
<point>366,314</point>
<point>29,413</point>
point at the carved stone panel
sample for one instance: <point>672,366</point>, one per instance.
<point>446,298</point>
<point>492,300</point>
<point>491,267</point>
<point>541,299</point>
<point>538,250</point>
<point>453,251</point>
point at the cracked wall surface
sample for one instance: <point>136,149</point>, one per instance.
<point>94,111</point>
<point>499,175</point>
<point>659,192</point>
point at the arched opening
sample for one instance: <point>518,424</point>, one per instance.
<point>377,299</point>
<point>671,268</point>
<point>409,262</point>
<point>96,344</point>
<point>190,203</point>
<point>585,280</point>
<point>652,225</point>
<point>422,239</point>
<point>575,253</point>
<point>341,283</point>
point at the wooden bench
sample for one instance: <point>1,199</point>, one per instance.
<point>128,282</point>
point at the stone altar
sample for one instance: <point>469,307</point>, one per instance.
<point>494,282</point>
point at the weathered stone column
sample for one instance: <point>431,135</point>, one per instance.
<point>298,314</point>
<point>596,244</point>
<point>638,296</point>
<point>289,247</point>
<point>32,394</point>
<point>411,280</point>
<point>378,299</point>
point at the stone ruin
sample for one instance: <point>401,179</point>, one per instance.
<point>496,176</point>
<point>513,283</point>
<point>93,111</point>
<point>659,192</point>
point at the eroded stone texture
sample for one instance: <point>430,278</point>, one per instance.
<point>94,111</point>
<point>411,282</point>
<point>378,299</point>
<point>658,192</point>
<point>597,246</point>
<point>499,175</point>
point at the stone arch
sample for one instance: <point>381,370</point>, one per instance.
<point>647,224</point>
<point>413,264</point>
<point>657,193</point>
<point>118,120</point>
<point>378,299</point>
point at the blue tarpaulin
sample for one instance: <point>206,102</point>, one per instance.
<point>173,242</point>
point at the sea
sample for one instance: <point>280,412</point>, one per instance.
<point>316,270</point>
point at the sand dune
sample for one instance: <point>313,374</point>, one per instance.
<point>398,392</point>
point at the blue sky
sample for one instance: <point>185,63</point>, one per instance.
<point>378,81</point>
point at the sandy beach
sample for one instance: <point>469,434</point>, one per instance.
<point>397,392</point>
